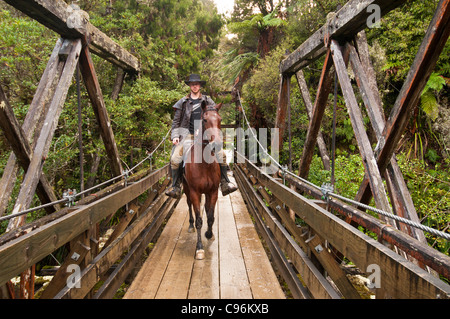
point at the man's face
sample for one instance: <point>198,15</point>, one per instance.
<point>195,87</point>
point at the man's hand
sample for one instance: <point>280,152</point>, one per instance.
<point>176,141</point>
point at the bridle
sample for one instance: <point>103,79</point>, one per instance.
<point>203,141</point>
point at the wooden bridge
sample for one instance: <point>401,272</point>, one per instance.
<point>276,232</point>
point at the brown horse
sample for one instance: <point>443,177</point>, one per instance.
<point>202,174</point>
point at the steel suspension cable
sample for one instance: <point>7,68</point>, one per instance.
<point>71,198</point>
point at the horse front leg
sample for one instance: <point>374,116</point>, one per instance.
<point>195,199</point>
<point>191,216</point>
<point>210,204</point>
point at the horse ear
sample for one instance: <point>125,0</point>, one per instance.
<point>218,106</point>
<point>203,106</point>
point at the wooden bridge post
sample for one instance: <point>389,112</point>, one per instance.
<point>282,106</point>
<point>398,191</point>
<point>325,86</point>
<point>309,107</point>
<point>424,62</point>
<point>43,143</point>
<point>36,111</point>
<point>101,114</point>
<point>365,148</point>
<point>34,159</point>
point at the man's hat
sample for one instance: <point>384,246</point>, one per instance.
<point>195,78</point>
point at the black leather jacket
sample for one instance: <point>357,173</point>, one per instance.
<point>182,117</point>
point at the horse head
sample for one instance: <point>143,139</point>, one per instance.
<point>212,125</point>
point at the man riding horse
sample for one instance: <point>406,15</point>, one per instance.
<point>188,110</point>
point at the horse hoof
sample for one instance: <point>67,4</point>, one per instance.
<point>209,235</point>
<point>200,254</point>
<point>191,230</point>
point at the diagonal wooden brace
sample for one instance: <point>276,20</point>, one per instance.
<point>101,114</point>
<point>41,149</point>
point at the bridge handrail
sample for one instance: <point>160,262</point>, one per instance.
<point>68,199</point>
<point>361,249</point>
<point>20,253</point>
<point>327,193</point>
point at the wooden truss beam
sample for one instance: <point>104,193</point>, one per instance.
<point>347,22</point>
<point>20,253</point>
<point>40,151</point>
<point>36,112</point>
<point>101,114</point>
<point>283,101</point>
<point>424,63</point>
<point>325,85</point>
<point>398,191</point>
<point>55,14</point>
<point>21,147</point>
<point>365,148</point>
<point>309,107</point>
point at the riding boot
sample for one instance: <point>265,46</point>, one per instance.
<point>175,190</point>
<point>225,185</point>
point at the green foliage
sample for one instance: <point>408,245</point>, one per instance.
<point>143,113</point>
<point>430,191</point>
<point>262,88</point>
<point>234,65</point>
<point>428,101</point>
<point>170,38</point>
<point>401,32</point>
<point>257,23</point>
<point>349,174</point>
<point>24,46</point>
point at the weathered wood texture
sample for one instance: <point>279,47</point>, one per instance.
<point>40,151</point>
<point>347,22</point>
<point>283,101</point>
<point>20,253</point>
<point>101,114</point>
<point>399,277</point>
<point>153,217</point>
<point>281,243</point>
<point>325,86</point>
<point>402,203</point>
<point>365,148</point>
<point>36,111</point>
<point>21,147</point>
<point>309,108</point>
<point>54,14</point>
<point>235,266</point>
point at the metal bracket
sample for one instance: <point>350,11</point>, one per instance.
<point>70,196</point>
<point>318,248</point>
<point>326,189</point>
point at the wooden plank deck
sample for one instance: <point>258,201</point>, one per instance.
<point>236,265</point>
